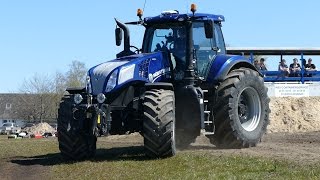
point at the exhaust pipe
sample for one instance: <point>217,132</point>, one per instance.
<point>126,40</point>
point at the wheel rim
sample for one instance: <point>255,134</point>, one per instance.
<point>249,109</point>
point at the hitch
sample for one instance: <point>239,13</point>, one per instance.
<point>103,119</point>
<point>96,119</point>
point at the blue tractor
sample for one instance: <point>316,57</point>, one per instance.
<point>180,84</point>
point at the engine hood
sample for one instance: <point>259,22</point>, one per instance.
<point>123,70</point>
<point>99,74</point>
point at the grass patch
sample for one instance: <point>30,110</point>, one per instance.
<point>130,163</point>
<point>189,165</point>
<point>26,147</point>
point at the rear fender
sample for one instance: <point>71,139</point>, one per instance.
<point>223,64</point>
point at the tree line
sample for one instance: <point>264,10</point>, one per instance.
<point>40,95</point>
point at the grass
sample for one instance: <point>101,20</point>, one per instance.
<point>130,163</point>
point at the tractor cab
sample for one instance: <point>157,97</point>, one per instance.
<point>190,41</point>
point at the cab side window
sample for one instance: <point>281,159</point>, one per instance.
<point>219,39</point>
<point>202,48</point>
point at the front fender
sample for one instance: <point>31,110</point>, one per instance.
<point>223,64</point>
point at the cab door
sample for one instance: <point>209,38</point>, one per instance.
<point>205,49</point>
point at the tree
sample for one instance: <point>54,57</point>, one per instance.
<point>37,101</point>
<point>76,75</point>
<point>42,93</point>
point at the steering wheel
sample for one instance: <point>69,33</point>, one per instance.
<point>171,45</point>
<point>137,50</point>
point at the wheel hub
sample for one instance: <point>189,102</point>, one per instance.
<point>249,109</point>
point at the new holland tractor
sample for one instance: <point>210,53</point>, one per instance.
<point>179,85</point>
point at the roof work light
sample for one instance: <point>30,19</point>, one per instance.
<point>193,8</point>
<point>139,13</point>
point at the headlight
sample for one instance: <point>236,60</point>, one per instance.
<point>101,98</point>
<point>112,82</point>
<point>126,73</point>
<point>77,98</point>
<point>88,82</point>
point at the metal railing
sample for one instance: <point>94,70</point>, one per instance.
<point>278,76</point>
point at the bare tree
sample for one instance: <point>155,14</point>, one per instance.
<point>42,93</point>
<point>76,74</point>
<point>38,98</point>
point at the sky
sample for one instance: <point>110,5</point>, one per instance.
<point>44,37</point>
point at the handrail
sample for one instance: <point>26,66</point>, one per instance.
<point>277,76</point>
<point>273,50</point>
<point>282,51</point>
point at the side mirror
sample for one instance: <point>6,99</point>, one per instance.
<point>118,34</point>
<point>208,28</point>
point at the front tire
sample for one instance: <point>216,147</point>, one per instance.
<point>159,123</point>
<point>242,110</point>
<point>73,143</point>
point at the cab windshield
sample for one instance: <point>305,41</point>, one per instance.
<point>171,38</point>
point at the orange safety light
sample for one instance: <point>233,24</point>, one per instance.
<point>193,8</point>
<point>139,13</point>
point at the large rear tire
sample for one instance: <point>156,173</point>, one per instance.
<point>159,123</point>
<point>241,111</point>
<point>73,143</point>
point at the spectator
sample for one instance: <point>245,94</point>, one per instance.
<point>310,67</point>
<point>263,65</point>
<point>283,68</point>
<point>295,68</point>
<point>256,64</point>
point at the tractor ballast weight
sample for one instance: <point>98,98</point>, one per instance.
<point>179,85</point>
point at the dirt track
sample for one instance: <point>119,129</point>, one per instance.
<point>296,147</point>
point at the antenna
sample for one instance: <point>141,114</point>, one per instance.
<point>188,6</point>
<point>144,5</point>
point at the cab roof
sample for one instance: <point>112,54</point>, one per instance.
<point>174,16</point>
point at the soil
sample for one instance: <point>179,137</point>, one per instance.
<point>294,114</point>
<point>302,148</point>
<point>12,171</point>
<point>39,129</point>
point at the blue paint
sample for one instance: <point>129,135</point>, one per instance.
<point>302,69</point>
<point>146,64</point>
<point>155,67</point>
<point>179,17</point>
<point>222,63</point>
